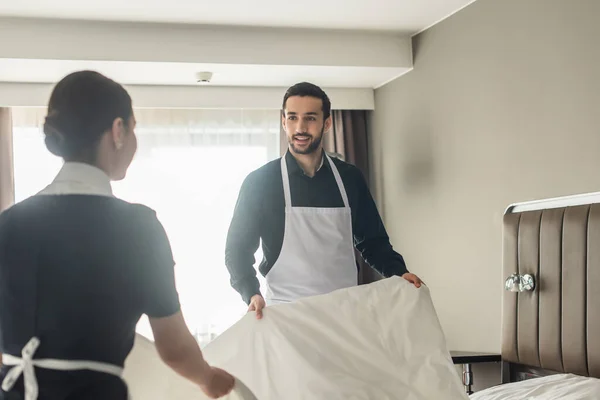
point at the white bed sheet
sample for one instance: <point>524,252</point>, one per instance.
<point>553,387</point>
<point>380,341</point>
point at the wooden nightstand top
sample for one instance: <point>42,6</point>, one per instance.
<point>473,357</point>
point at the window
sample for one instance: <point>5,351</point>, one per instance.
<point>189,167</point>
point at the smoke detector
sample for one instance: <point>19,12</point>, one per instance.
<point>204,77</point>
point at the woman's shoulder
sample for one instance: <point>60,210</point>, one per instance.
<point>44,207</point>
<point>142,213</point>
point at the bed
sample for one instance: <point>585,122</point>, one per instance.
<point>551,302</point>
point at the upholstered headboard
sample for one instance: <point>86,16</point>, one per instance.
<point>556,326</point>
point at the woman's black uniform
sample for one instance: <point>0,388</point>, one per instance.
<point>78,268</point>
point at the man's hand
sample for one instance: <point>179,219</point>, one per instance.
<point>412,278</point>
<point>257,303</point>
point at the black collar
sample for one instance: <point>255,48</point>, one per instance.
<point>293,166</point>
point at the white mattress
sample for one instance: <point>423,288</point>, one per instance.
<point>380,341</point>
<point>553,387</point>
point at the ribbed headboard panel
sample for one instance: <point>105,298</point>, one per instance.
<point>557,325</point>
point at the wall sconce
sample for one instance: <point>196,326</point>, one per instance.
<point>520,283</point>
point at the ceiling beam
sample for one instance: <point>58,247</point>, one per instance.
<point>37,95</point>
<point>152,42</point>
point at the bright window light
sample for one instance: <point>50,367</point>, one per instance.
<point>190,173</point>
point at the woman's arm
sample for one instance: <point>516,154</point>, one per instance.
<point>180,351</point>
<point>174,342</point>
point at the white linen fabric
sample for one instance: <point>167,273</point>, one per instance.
<point>553,387</point>
<point>379,341</point>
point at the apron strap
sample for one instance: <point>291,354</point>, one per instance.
<point>286,182</point>
<point>338,179</point>
<point>25,366</point>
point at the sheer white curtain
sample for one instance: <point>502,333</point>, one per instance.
<point>189,168</point>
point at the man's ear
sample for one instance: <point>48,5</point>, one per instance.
<point>328,123</point>
<point>283,120</point>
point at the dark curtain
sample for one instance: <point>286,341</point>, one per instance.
<point>6,164</point>
<point>7,196</point>
<point>348,138</point>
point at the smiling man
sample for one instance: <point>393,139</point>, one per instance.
<point>310,211</point>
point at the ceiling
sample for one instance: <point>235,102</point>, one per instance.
<point>353,44</point>
<point>405,16</point>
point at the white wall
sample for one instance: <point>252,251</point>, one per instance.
<point>503,105</point>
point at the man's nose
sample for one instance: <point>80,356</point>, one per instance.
<point>301,127</point>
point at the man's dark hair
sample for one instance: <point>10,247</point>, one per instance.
<point>304,89</point>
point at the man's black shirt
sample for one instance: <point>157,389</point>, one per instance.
<point>260,215</point>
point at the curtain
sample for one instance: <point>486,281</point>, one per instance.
<point>349,138</point>
<point>189,167</point>
<point>6,165</point>
<point>6,160</point>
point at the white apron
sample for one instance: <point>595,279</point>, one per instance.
<point>317,254</point>
<point>74,178</point>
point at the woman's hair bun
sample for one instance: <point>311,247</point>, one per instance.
<point>55,140</point>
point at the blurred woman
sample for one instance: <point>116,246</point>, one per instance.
<point>79,267</point>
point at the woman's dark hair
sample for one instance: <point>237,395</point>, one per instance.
<point>304,89</point>
<point>83,106</point>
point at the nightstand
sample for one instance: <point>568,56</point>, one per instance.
<point>467,358</point>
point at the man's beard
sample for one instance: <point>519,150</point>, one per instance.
<point>312,147</point>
